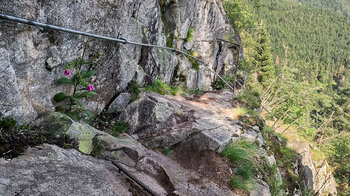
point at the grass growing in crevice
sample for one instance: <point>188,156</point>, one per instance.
<point>219,84</point>
<point>161,88</point>
<point>189,36</point>
<point>135,90</point>
<point>195,64</point>
<point>168,151</point>
<point>243,154</point>
<point>119,128</point>
<point>285,158</point>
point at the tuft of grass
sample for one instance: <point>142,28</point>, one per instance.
<point>134,89</point>
<point>270,130</point>
<point>242,153</point>
<point>240,111</point>
<point>168,151</point>
<point>249,99</point>
<point>162,88</point>
<point>239,182</point>
<point>189,36</point>
<point>7,123</point>
<point>194,62</point>
<point>119,128</point>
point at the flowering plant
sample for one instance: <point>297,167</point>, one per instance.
<point>81,90</point>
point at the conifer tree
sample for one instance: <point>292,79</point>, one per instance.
<point>263,60</point>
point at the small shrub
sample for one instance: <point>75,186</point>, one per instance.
<point>194,62</point>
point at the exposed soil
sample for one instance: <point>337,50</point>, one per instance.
<point>208,164</point>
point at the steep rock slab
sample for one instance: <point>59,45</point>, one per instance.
<point>48,169</point>
<point>207,121</point>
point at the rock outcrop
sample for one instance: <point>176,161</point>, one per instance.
<point>317,172</point>
<point>50,170</point>
<point>32,58</point>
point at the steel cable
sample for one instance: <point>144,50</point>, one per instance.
<point>118,40</point>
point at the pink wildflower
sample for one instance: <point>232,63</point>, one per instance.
<point>67,72</point>
<point>90,88</point>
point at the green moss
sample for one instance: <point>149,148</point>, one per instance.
<point>83,135</point>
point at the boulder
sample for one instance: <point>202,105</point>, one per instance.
<point>48,169</point>
<point>60,125</point>
<point>260,189</point>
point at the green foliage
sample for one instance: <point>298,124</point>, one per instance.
<point>262,58</point>
<point>219,84</point>
<point>306,192</point>
<point>168,151</point>
<point>15,138</point>
<point>7,123</point>
<point>161,88</point>
<point>134,90</point>
<point>119,128</point>
<point>194,62</point>
<point>81,90</point>
<point>239,14</point>
<point>169,40</point>
<point>249,99</point>
<point>242,153</point>
<point>311,48</point>
<point>189,35</point>
<point>271,131</point>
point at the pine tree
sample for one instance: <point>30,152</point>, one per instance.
<point>263,60</point>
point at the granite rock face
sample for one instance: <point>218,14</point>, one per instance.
<point>48,169</point>
<point>33,58</point>
<point>206,121</point>
<point>317,173</point>
<point>160,173</point>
